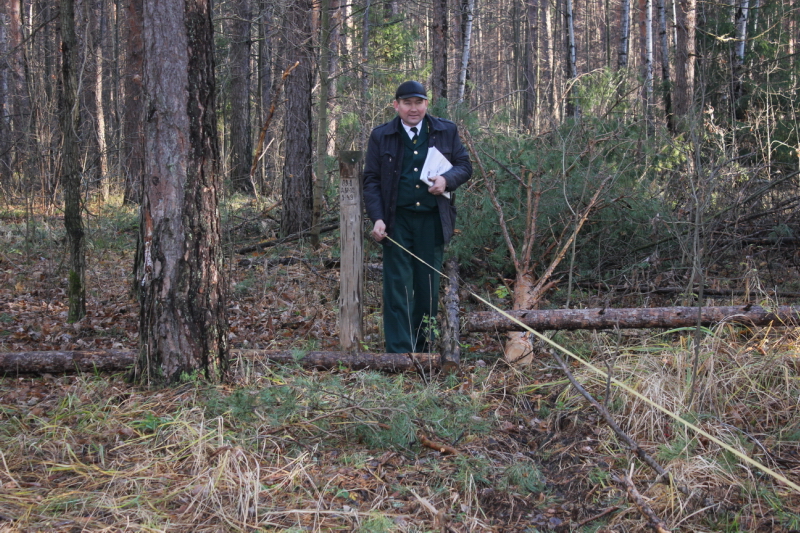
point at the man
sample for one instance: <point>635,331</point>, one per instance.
<point>414,215</point>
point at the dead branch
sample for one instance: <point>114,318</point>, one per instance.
<point>288,238</point>
<point>658,525</point>
<point>433,445</point>
<point>264,128</point>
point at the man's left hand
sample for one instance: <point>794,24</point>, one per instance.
<point>439,185</point>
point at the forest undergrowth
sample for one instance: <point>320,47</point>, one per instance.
<point>280,447</point>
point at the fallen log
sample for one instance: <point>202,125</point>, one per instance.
<point>636,318</point>
<point>57,362</point>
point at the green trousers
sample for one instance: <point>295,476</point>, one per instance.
<point>411,288</point>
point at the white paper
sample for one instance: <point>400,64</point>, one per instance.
<point>436,164</point>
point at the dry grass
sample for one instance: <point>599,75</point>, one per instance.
<point>282,448</point>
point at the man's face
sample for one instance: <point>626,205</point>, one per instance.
<point>411,110</point>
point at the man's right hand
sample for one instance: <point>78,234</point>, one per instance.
<point>379,230</point>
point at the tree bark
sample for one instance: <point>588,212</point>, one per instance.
<point>648,62</point>
<point>573,107</point>
<point>297,187</point>
<point>71,171</point>
<point>183,323</point>
<point>607,318</point>
<point>241,137</point>
<point>451,345</point>
<point>624,34</point>
<point>531,63</point>
<point>665,76</point>
<point>466,46</point>
<point>439,42</point>
<point>57,362</point>
<point>737,87</point>
<point>5,104</point>
<point>685,55</point>
<point>322,120</point>
<point>133,110</point>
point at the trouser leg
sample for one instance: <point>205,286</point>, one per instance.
<point>410,288</point>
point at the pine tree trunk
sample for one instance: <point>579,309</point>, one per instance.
<point>71,173</point>
<point>665,77</point>
<point>297,188</point>
<point>322,120</point>
<point>241,135</point>
<point>183,327</point>
<point>531,63</point>
<point>685,57</point>
<point>439,42</point>
<point>265,85</point>
<point>133,110</point>
<point>648,63</point>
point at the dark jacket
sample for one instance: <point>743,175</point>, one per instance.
<point>385,159</point>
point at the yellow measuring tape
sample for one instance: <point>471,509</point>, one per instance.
<point>623,386</point>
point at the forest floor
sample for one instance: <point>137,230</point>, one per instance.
<point>280,447</point>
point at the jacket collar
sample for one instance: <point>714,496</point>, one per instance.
<point>436,124</point>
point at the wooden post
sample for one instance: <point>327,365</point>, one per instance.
<point>351,274</point>
<point>451,348</point>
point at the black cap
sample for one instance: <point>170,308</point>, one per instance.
<point>410,89</point>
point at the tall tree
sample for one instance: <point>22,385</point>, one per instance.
<point>241,134</point>
<point>322,118</point>
<point>297,177</point>
<point>5,111</point>
<point>71,169</point>
<point>183,326</point>
<point>665,76</point>
<point>132,157</point>
<point>530,103</point>
<point>624,34</point>
<point>573,108</point>
<point>685,54</point>
<point>439,42</point>
<point>648,59</point>
<point>739,47</point>
<point>265,79</point>
<point>467,16</point>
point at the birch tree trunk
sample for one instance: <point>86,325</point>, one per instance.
<point>5,104</point>
<point>737,88</point>
<point>183,326</point>
<point>468,15</point>
<point>624,34</point>
<point>573,108</point>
